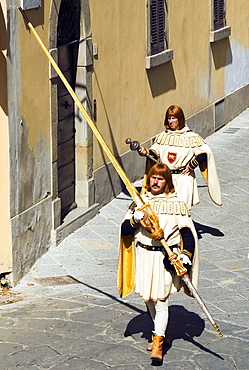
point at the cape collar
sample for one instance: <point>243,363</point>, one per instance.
<point>182,131</point>
<point>160,196</point>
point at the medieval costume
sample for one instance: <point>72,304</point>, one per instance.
<point>153,281</point>
<point>147,272</point>
<point>180,148</point>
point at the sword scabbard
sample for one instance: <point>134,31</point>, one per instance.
<point>196,295</point>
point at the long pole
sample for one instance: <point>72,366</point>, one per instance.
<point>130,187</point>
<point>180,269</point>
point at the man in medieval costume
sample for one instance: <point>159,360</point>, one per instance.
<point>148,268</point>
<point>182,150</point>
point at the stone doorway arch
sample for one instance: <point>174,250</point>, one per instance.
<point>84,190</point>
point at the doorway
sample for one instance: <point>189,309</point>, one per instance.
<point>68,34</point>
<point>71,138</point>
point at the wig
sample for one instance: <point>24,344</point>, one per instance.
<point>177,112</point>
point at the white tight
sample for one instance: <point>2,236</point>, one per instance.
<point>159,313</point>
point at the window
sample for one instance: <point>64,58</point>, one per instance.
<point>219,14</point>
<point>157,26</point>
<point>157,45</point>
<point>219,30</point>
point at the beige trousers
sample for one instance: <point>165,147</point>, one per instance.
<point>159,313</point>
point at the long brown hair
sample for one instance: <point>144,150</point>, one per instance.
<point>176,111</point>
<point>163,170</point>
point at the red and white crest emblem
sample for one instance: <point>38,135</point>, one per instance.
<point>171,157</point>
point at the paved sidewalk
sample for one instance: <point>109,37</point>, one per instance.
<point>83,324</point>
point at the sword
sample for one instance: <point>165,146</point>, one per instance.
<point>182,272</point>
<point>180,269</point>
<point>200,302</point>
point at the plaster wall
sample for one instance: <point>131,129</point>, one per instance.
<point>31,237</point>
<point>30,139</point>
<point>35,131</point>
<point>120,84</point>
<point>5,227</point>
<point>189,29</point>
<point>237,72</point>
<point>131,101</point>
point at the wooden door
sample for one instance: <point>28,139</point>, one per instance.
<point>67,60</point>
<point>68,32</point>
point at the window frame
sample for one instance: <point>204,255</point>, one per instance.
<point>219,14</point>
<point>157,27</point>
<point>219,29</point>
<point>158,53</point>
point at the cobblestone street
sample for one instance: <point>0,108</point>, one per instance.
<point>78,321</point>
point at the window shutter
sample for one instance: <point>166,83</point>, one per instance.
<point>219,14</point>
<point>157,26</point>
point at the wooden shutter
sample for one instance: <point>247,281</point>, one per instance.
<point>157,26</point>
<point>219,14</point>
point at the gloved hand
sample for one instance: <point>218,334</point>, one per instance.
<point>138,215</point>
<point>185,259</point>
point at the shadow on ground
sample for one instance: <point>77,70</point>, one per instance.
<point>183,324</point>
<point>203,229</point>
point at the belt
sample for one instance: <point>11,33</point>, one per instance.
<point>154,248</point>
<point>176,172</point>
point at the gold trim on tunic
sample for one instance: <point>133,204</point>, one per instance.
<point>161,206</point>
<point>179,140</point>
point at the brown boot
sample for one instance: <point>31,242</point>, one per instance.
<point>165,341</point>
<point>150,345</point>
<point>157,348</point>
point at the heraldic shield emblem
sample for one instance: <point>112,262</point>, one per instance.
<point>171,157</point>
